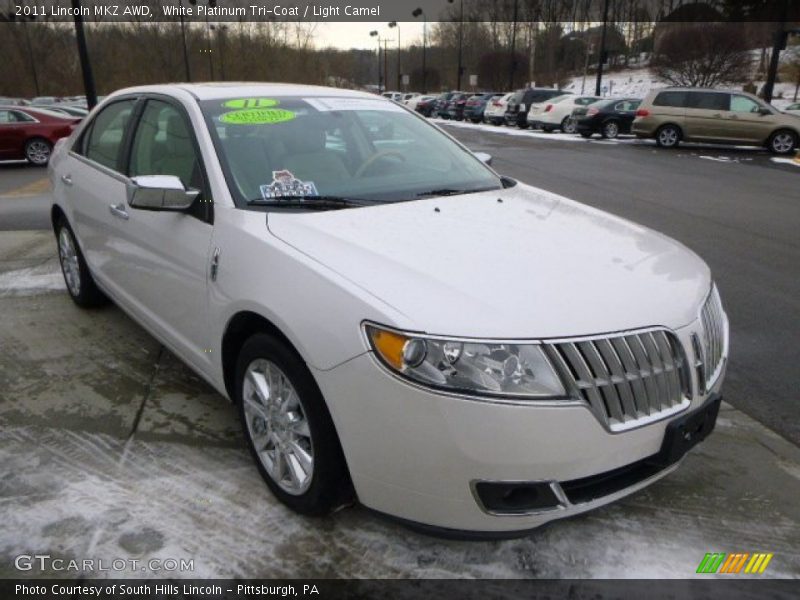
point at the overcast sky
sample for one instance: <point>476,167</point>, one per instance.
<point>356,35</point>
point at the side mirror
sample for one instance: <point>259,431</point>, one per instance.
<point>159,192</point>
<point>484,157</point>
<point>763,111</point>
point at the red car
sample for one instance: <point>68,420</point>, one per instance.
<point>31,133</point>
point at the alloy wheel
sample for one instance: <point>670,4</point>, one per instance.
<point>783,143</point>
<point>568,125</point>
<point>611,130</point>
<point>668,136</point>
<point>68,257</point>
<point>38,152</point>
<point>278,427</point>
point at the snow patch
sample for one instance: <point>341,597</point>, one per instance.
<point>31,281</point>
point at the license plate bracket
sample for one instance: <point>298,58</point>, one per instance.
<point>685,433</point>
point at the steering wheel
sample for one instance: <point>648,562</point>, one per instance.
<point>378,155</point>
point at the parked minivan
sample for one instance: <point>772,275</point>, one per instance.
<point>520,103</point>
<point>673,115</point>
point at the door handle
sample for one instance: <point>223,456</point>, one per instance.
<point>67,179</point>
<point>118,210</point>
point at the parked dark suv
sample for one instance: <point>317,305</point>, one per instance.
<point>520,103</point>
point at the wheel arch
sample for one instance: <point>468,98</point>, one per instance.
<point>794,130</point>
<point>57,214</point>
<point>239,328</point>
<point>673,123</point>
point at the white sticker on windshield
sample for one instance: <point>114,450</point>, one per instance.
<point>333,104</point>
<point>286,185</point>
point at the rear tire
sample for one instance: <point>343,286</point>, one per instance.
<point>610,130</point>
<point>783,141</point>
<point>38,151</point>
<point>668,136</point>
<point>80,283</point>
<point>289,430</point>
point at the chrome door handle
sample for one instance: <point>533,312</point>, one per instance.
<point>67,179</point>
<point>118,210</point>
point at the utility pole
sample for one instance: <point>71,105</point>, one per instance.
<point>83,54</point>
<point>602,54</point>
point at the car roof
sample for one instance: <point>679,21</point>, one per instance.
<point>220,90</point>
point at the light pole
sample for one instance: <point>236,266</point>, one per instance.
<point>460,43</point>
<point>83,54</point>
<point>399,76</point>
<point>380,80</point>
<point>211,4</point>
<point>601,56</point>
<point>220,44</point>
<point>416,13</point>
<point>185,50</point>
<point>587,49</point>
<point>513,47</point>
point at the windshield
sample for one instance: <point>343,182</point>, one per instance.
<point>357,148</point>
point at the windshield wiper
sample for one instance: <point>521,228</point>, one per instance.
<point>453,192</point>
<point>311,202</point>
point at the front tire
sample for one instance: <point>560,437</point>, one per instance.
<point>783,141</point>
<point>568,125</point>
<point>289,430</point>
<point>668,136</point>
<point>80,283</point>
<point>37,151</point>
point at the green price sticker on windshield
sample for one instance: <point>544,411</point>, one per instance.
<point>250,103</point>
<point>257,116</point>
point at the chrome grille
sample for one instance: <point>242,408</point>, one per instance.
<point>625,378</point>
<point>713,337</point>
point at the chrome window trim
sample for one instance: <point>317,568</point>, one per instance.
<point>102,168</point>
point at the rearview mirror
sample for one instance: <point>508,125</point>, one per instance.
<point>159,192</point>
<point>484,157</point>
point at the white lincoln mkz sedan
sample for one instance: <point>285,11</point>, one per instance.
<point>396,323</point>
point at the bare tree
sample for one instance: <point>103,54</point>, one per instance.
<point>790,69</point>
<point>701,54</point>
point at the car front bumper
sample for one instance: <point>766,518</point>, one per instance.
<point>417,454</point>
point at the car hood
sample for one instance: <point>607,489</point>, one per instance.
<point>514,263</point>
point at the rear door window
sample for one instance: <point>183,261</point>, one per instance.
<point>708,100</point>
<point>673,99</point>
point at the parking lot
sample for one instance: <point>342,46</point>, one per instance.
<point>111,448</point>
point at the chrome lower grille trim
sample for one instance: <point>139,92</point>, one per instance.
<point>628,379</point>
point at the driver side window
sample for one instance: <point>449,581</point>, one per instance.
<point>743,104</point>
<point>163,145</point>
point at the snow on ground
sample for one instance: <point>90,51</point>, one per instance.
<point>636,83</point>
<point>31,281</point>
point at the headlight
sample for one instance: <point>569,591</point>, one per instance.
<point>471,367</point>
